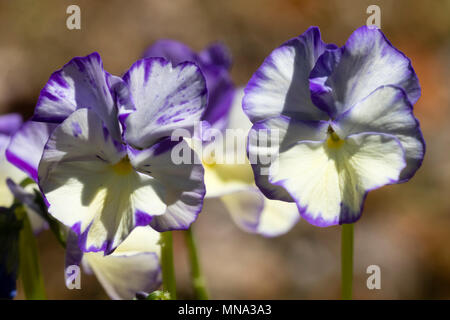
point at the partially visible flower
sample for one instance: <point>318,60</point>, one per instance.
<point>107,166</point>
<point>9,124</point>
<point>132,268</point>
<point>231,179</point>
<point>344,120</point>
<point>215,63</point>
<point>10,127</point>
<point>232,182</point>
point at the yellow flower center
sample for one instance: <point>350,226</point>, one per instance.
<point>123,167</point>
<point>333,140</point>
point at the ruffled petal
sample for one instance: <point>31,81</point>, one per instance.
<point>214,62</point>
<point>90,185</point>
<point>183,184</point>
<point>268,138</point>
<point>165,98</point>
<point>387,110</point>
<point>329,184</point>
<point>26,146</point>
<point>81,83</point>
<point>368,61</point>
<point>281,86</point>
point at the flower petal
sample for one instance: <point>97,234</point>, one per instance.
<point>277,218</point>
<point>88,188</point>
<point>387,110</point>
<point>368,61</point>
<point>268,138</point>
<point>281,85</point>
<point>26,146</point>
<point>165,98</point>
<point>183,184</point>
<point>214,62</point>
<point>81,83</point>
<point>171,50</point>
<point>132,268</point>
<point>329,185</point>
<point>7,170</point>
<point>245,208</point>
<point>254,213</point>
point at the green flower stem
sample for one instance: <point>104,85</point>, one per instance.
<point>29,268</point>
<point>198,282</point>
<point>167,265</point>
<point>347,261</point>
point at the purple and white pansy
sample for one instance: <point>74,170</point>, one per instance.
<point>106,167</point>
<point>335,122</point>
<point>230,181</point>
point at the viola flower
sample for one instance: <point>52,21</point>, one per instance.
<point>233,183</point>
<point>215,63</point>
<point>10,126</point>
<point>106,167</point>
<point>132,268</point>
<point>344,120</point>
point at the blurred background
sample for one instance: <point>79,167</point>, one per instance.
<point>405,229</point>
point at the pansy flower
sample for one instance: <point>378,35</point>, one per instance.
<point>232,182</point>
<point>334,122</point>
<point>106,167</point>
<point>133,267</point>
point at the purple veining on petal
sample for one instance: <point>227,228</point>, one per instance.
<point>50,96</point>
<point>105,247</point>
<point>142,218</point>
<point>60,80</point>
<point>21,164</point>
<point>76,129</point>
<point>214,62</point>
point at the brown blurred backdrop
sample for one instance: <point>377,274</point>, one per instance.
<point>405,229</point>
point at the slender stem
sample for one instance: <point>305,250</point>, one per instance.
<point>29,268</point>
<point>198,282</point>
<point>347,261</point>
<point>167,265</point>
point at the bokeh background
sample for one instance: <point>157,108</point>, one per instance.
<point>405,229</point>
